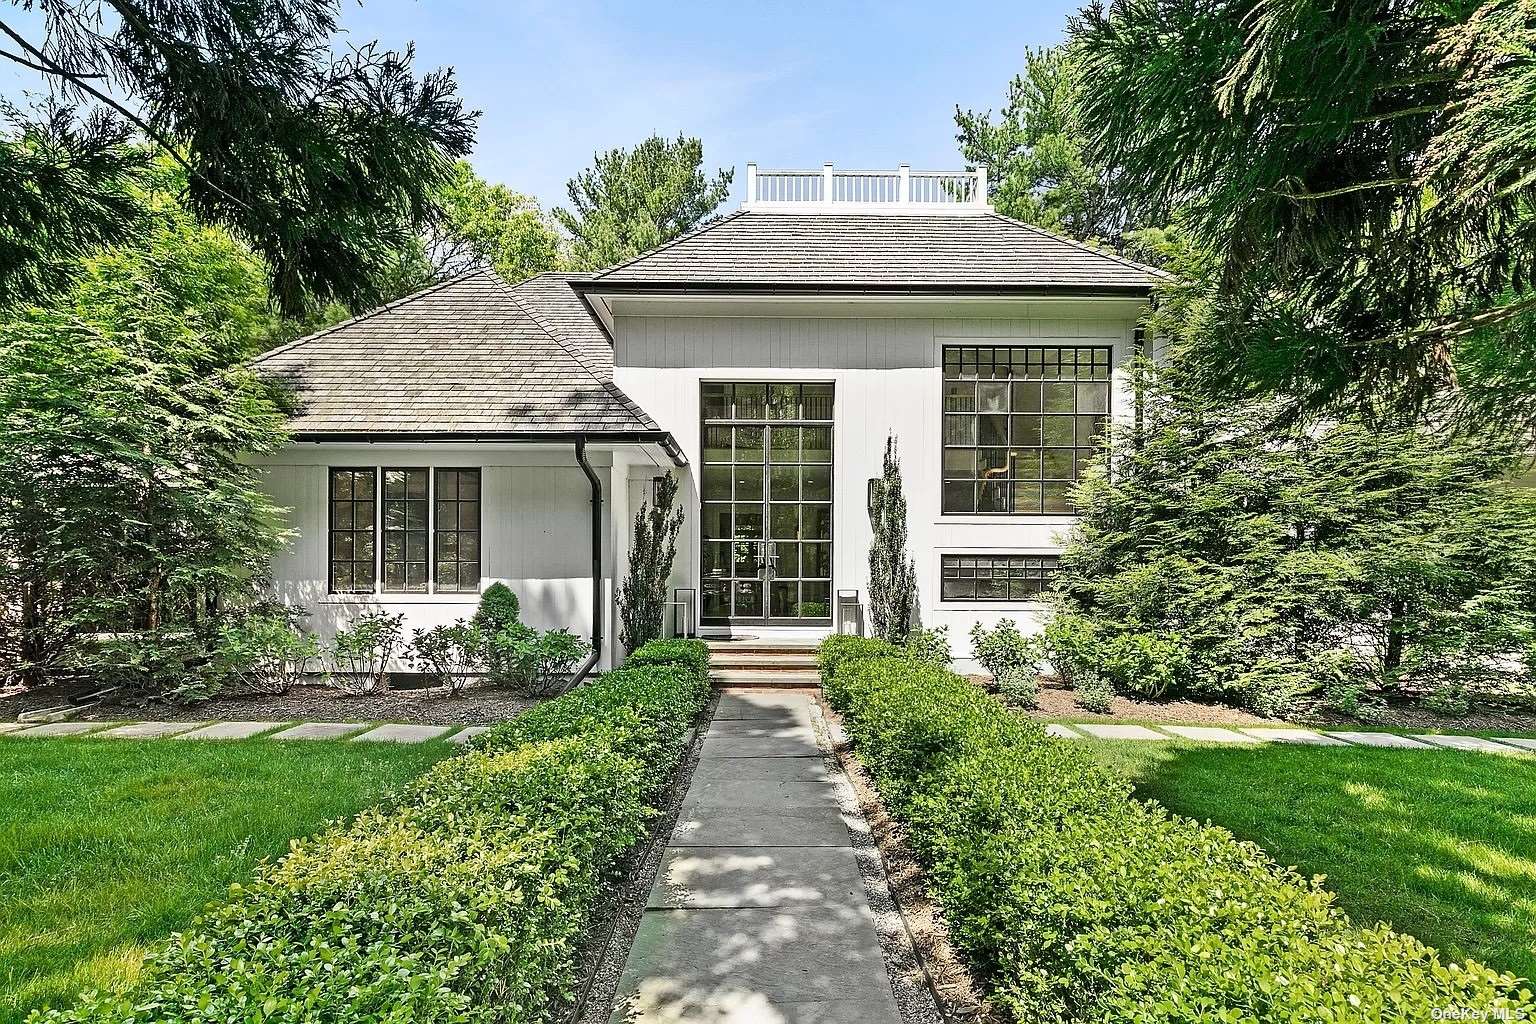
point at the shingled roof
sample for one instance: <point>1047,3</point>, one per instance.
<point>472,357</point>
<point>980,253</point>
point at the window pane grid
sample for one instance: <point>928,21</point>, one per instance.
<point>1002,578</point>
<point>405,531</point>
<point>351,509</point>
<point>1020,423</point>
<point>457,535</point>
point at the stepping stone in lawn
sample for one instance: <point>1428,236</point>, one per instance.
<point>463,736</point>
<point>1062,732</point>
<point>318,731</point>
<point>1208,734</point>
<point>229,730</point>
<point>62,729</point>
<point>402,734</point>
<point>1120,732</point>
<point>1381,739</point>
<point>1519,741</point>
<point>1306,736</point>
<point>6,727</point>
<point>1467,743</point>
<point>146,730</point>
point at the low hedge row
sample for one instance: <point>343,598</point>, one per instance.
<point>1078,902</point>
<point>463,900</point>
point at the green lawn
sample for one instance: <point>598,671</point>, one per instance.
<point>1439,844</point>
<point>108,845</point>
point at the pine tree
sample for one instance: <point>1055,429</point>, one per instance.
<point>892,575</point>
<point>643,595</point>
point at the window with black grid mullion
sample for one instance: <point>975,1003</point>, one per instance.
<point>1020,424</point>
<point>352,513</point>
<point>405,531</point>
<point>456,515</point>
<point>1004,578</point>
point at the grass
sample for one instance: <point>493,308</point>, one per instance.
<point>108,846</point>
<point>1440,844</point>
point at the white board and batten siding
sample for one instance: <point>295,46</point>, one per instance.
<point>888,378</point>
<point>535,532</point>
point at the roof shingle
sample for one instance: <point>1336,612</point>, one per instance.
<point>470,356</point>
<point>934,252</point>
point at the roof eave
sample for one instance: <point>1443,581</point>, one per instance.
<point>598,286</point>
<point>661,438</point>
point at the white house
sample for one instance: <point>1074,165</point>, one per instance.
<point>480,431</point>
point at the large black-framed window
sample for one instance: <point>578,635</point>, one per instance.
<point>405,530</point>
<point>351,512</point>
<point>1002,578</point>
<point>1020,424</point>
<point>456,520</point>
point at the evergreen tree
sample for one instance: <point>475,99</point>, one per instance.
<point>643,594</point>
<point>892,574</point>
<point>631,201</point>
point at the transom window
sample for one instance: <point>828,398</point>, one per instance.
<point>404,530</point>
<point>1003,578</point>
<point>1020,424</point>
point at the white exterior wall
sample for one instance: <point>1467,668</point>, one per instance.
<point>535,525</point>
<point>888,378</point>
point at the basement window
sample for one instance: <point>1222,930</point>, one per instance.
<point>1010,579</point>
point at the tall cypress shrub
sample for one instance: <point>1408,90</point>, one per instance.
<point>643,594</point>
<point>892,575</point>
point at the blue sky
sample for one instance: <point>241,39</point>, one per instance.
<point>785,84</point>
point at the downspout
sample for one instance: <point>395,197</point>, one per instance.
<point>597,564</point>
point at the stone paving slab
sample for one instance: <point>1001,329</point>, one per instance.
<point>6,727</point>
<point>756,876</point>
<point>1476,743</point>
<point>1062,732</point>
<point>229,730</point>
<point>1519,741</point>
<point>464,735</point>
<point>776,704</point>
<point>757,746</point>
<point>1208,734</point>
<point>402,734</point>
<point>1306,736</point>
<point>1120,732</point>
<point>764,728</point>
<point>319,731</point>
<point>722,825</point>
<point>750,966</point>
<point>146,730</point>
<point>1380,739</point>
<point>762,769</point>
<point>60,729</point>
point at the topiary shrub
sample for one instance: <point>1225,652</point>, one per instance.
<point>1077,902</point>
<point>839,648</point>
<point>694,654</point>
<point>499,608</point>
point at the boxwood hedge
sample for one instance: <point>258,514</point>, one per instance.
<point>1077,902</point>
<point>465,899</point>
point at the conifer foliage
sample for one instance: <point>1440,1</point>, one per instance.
<point>643,594</point>
<point>892,574</point>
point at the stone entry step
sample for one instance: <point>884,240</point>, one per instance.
<point>796,679</point>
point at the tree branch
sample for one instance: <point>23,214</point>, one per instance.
<point>82,82</point>
<point>1363,186</point>
<point>8,55</point>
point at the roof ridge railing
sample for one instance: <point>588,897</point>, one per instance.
<point>902,190</point>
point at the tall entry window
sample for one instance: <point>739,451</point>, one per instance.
<point>766,489</point>
<point>1020,424</point>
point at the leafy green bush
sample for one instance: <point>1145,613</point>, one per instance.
<point>362,651</point>
<point>841,647</point>
<point>466,900</point>
<point>448,655</point>
<point>1020,686</point>
<point>1003,650</point>
<point>1077,902</point>
<point>498,609</point>
<point>267,652</point>
<point>693,654</point>
<point>538,664</point>
<point>1093,692</point>
<point>930,645</point>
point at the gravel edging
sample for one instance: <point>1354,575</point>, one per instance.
<point>613,931</point>
<point>918,999</point>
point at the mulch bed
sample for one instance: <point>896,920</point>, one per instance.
<point>1056,702</point>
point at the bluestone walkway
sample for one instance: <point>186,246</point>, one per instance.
<point>759,914</point>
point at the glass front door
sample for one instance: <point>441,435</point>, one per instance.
<point>766,490</point>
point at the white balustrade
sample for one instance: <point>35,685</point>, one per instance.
<point>902,190</point>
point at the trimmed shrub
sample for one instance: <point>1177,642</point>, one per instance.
<point>841,647</point>
<point>1077,902</point>
<point>693,654</point>
<point>464,900</point>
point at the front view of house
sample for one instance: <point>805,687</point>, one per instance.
<point>481,431</point>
